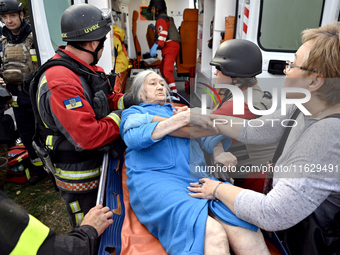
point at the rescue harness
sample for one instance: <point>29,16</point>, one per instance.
<point>66,152</point>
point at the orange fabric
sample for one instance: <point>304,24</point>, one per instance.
<point>135,38</point>
<point>135,16</point>
<point>150,36</point>
<point>120,83</point>
<point>229,28</point>
<point>136,239</point>
<point>188,34</point>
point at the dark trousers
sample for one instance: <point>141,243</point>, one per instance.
<point>83,201</point>
<point>24,118</point>
<point>3,167</point>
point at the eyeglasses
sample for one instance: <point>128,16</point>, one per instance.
<point>290,65</point>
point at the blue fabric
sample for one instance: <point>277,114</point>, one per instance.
<point>208,143</point>
<point>158,176</point>
<point>136,120</point>
<point>153,50</point>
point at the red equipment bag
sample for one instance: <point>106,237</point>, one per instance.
<point>18,165</point>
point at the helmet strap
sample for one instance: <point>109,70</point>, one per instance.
<point>93,53</point>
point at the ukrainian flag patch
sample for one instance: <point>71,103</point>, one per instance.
<point>73,103</point>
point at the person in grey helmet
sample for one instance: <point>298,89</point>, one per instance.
<point>79,112</point>
<point>237,62</point>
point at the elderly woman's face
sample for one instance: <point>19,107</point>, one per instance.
<point>154,91</point>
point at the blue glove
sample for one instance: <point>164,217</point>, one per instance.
<point>137,120</point>
<point>152,26</point>
<point>153,51</point>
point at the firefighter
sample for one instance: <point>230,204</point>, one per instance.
<point>21,233</point>
<point>19,62</point>
<point>79,110</point>
<point>167,39</point>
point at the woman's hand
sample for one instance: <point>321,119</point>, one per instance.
<point>180,109</point>
<point>182,115</point>
<point>203,189</point>
<point>170,125</point>
<point>203,121</point>
<point>226,158</point>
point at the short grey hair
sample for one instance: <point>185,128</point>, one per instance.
<point>138,83</point>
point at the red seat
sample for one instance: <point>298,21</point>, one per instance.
<point>157,62</point>
<point>186,59</point>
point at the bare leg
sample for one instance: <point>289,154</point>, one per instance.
<point>245,241</point>
<point>215,241</point>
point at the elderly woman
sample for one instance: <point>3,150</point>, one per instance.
<point>158,169</point>
<point>309,196</point>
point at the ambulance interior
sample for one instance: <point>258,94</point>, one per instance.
<point>276,33</point>
<point>129,15</point>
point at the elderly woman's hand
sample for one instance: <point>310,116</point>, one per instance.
<point>180,109</point>
<point>226,158</point>
<point>183,115</point>
<point>203,189</point>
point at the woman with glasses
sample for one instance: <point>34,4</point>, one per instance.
<point>304,203</point>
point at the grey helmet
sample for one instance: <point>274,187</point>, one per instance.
<point>84,22</point>
<point>10,6</point>
<point>238,58</point>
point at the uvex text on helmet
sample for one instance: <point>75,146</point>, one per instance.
<point>238,58</point>
<point>10,6</point>
<point>160,4</point>
<point>84,22</point>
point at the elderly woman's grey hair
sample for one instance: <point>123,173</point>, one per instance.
<point>138,82</point>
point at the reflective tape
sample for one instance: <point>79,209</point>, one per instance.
<point>121,103</point>
<point>75,207</point>
<point>31,238</point>
<point>79,218</point>
<point>37,162</point>
<point>49,141</point>
<point>77,175</point>
<point>77,186</point>
<point>115,117</point>
<point>245,19</point>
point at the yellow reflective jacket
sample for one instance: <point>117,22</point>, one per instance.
<point>122,61</point>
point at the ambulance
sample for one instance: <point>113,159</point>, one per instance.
<point>274,25</point>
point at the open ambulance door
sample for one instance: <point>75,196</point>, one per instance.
<point>45,19</point>
<point>276,26</point>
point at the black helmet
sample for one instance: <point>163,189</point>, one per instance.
<point>160,4</point>
<point>238,58</point>
<point>84,22</point>
<point>10,6</point>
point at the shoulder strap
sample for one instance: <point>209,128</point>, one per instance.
<point>34,88</point>
<point>287,130</point>
<point>284,137</point>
